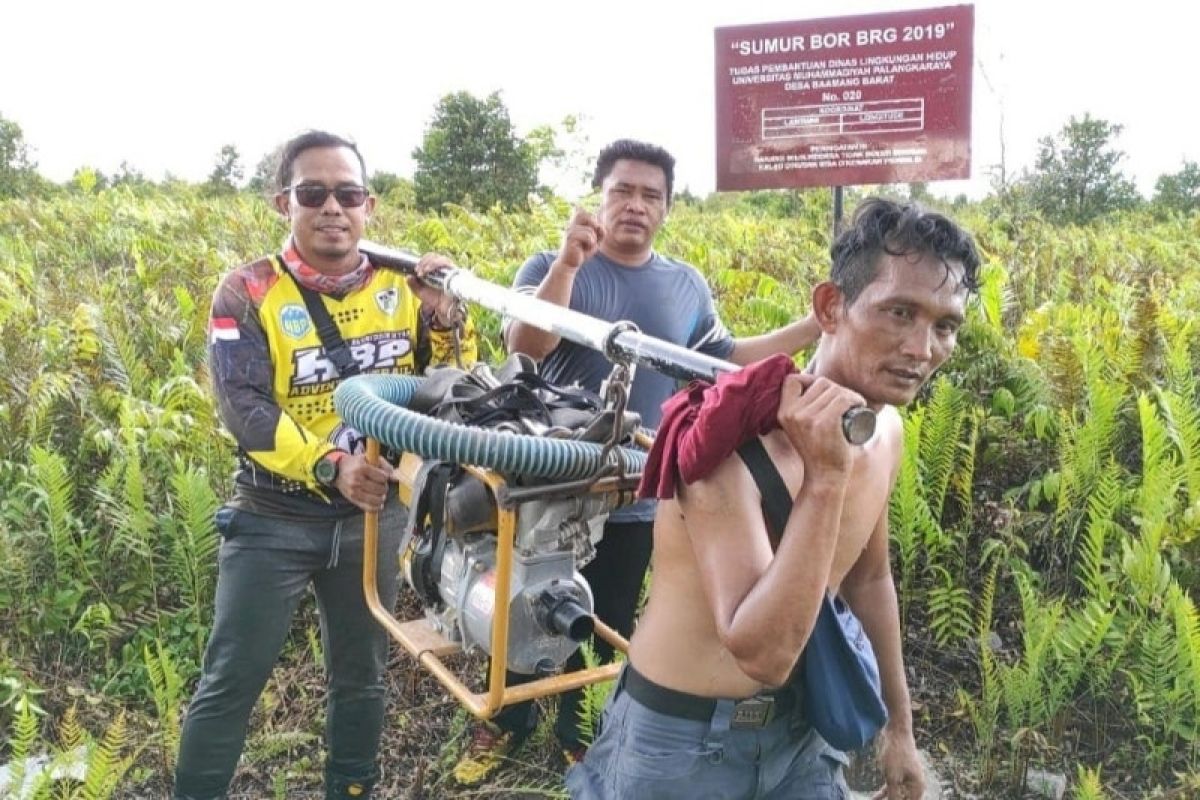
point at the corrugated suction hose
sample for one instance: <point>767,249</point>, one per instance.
<point>376,405</point>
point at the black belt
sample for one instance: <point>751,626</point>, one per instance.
<point>752,712</point>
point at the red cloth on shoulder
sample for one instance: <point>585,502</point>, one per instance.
<point>704,423</point>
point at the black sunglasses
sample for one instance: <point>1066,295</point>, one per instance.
<point>314,195</point>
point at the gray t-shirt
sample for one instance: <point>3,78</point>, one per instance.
<point>665,298</point>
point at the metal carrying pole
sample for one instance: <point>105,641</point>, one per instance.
<point>620,341</point>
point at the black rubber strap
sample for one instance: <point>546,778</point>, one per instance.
<point>570,396</point>
<point>503,403</point>
<point>776,499</point>
<point>440,481</point>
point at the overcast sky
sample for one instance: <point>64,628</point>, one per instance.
<point>163,85</point>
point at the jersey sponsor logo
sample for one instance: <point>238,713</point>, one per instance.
<point>346,438</point>
<point>313,372</point>
<point>388,300</point>
<point>293,319</point>
<point>223,329</point>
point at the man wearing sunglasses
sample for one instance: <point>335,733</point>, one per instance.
<point>303,483</point>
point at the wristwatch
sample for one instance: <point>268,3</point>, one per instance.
<point>326,469</point>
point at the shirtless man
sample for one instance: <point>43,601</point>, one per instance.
<point>727,617</point>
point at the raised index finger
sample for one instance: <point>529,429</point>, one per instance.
<point>584,217</point>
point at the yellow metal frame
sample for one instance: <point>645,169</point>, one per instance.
<point>428,646</point>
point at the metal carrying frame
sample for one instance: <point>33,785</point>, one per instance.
<point>429,647</point>
<point>624,345</point>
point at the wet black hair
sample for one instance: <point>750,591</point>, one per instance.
<point>633,150</point>
<point>307,141</point>
<point>884,226</point>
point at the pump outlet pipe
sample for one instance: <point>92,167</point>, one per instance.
<point>619,341</point>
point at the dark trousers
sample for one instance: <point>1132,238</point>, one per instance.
<point>259,587</point>
<point>615,575</point>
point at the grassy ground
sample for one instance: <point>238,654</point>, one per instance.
<point>425,732</point>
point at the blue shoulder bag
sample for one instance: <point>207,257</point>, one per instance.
<point>837,676</point>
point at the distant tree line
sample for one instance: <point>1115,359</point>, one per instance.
<point>471,155</point>
<point>1077,177</point>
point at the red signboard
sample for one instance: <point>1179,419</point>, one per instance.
<point>877,98</point>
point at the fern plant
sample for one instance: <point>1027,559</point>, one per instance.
<point>1187,658</point>
<point>1088,785</point>
<point>939,456</point>
<point>1157,503</point>
<point>72,552</point>
<point>1180,361</point>
<point>912,522</point>
<point>1085,444</point>
<point>941,441</point>
<point>1155,690</point>
<point>76,766</point>
<point>950,608</point>
<point>984,712</point>
<point>106,765</point>
<point>1102,528</point>
<point>1025,684</point>
<point>167,687</point>
<point>1182,419</point>
<point>135,533</point>
<point>193,546</point>
<point>593,697</point>
<point>22,740</point>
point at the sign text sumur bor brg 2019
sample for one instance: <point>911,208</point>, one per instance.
<point>878,98</point>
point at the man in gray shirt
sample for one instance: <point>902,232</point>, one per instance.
<point>607,268</point>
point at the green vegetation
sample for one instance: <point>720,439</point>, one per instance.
<point>1179,191</point>
<point>226,172</point>
<point>1045,523</point>
<point>472,156</point>
<point>17,173</point>
<point>1077,176</point>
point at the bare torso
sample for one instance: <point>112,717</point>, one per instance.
<point>676,643</point>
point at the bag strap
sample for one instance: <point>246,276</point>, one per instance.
<point>508,406</point>
<point>776,499</point>
<point>335,346</point>
<point>503,403</point>
<point>776,508</point>
<point>569,396</point>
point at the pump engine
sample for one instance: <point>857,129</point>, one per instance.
<point>449,557</point>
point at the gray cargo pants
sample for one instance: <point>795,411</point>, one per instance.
<point>266,566</point>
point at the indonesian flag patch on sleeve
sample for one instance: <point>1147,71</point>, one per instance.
<point>222,329</point>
